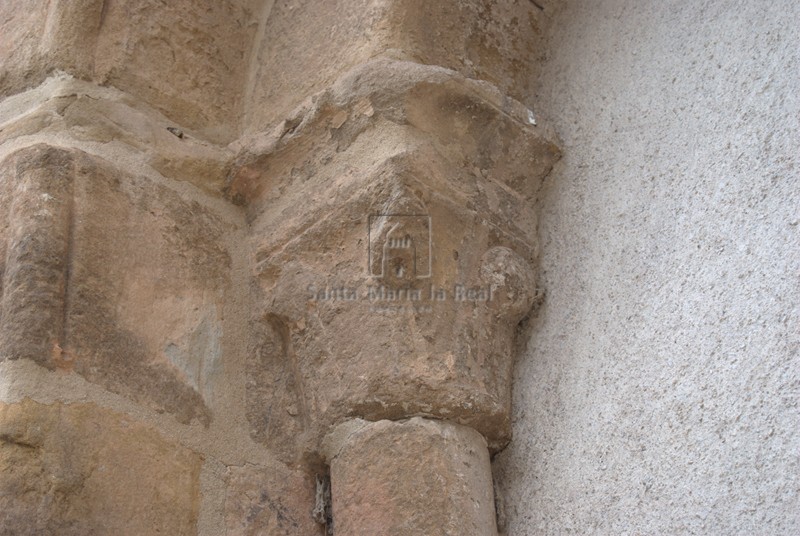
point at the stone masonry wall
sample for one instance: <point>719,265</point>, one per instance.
<point>266,265</point>
<point>263,264</point>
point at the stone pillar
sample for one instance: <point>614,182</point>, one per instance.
<point>249,225</point>
<point>400,478</point>
<point>34,282</point>
<point>390,180</point>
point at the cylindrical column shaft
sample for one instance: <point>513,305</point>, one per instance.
<point>415,478</point>
<point>37,254</point>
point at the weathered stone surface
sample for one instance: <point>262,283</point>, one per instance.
<point>302,53</point>
<point>276,404</point>
<point>186,59</point>
<point>273,500</point>
<point>39,203</point>
<point>132,302</point>
<point>43,36</point>
<point>393,138</point>
<point>413,478</point>
<point>71,109</point>
<point>387,183</point>
<point>83,470</point>
<point>385,108</point>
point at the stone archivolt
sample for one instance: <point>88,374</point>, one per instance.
<point>333,279</point>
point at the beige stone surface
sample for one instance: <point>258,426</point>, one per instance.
<point>187,60</point>
<point>272,500</point>
<point>130,301</point>
<point>190,191</point>
<point>82,470</point>
<point>303,51</point>
<point>392,138</point>
<point>413,478</point>
<point>42,36</point>
<point>65,110</point>
<point>185,188</point>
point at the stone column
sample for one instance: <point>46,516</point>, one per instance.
<point>389,176</point>
<point>393,478</point>
<point>39,201</point>
<point>249,226</point>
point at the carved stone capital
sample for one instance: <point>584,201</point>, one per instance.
<point>394,235</point>
<point>319,214</point>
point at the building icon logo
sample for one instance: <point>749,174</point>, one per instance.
<point>399,247</point>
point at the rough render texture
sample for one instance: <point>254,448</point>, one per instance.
<point>660,392</point>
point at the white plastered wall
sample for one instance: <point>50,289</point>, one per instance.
<point>660,393</point>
